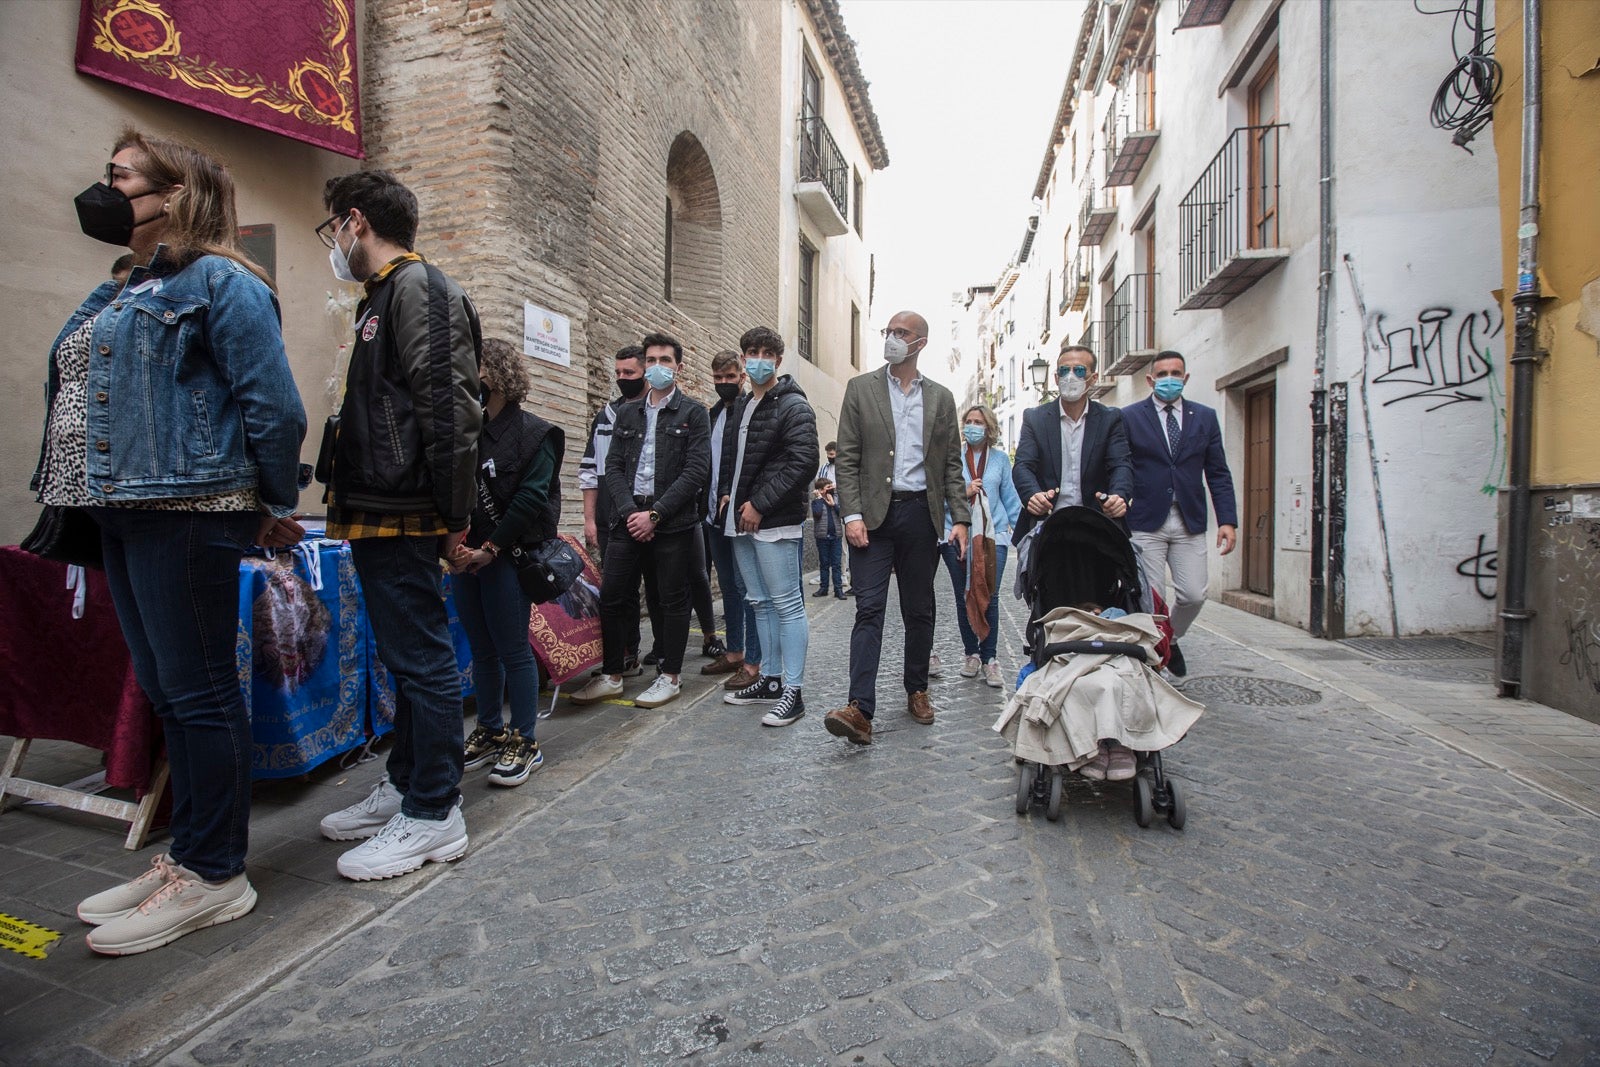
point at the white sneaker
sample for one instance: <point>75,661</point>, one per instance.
<point>405,844</point>
<point>365,817</point>
<point>662,691</point>
<point>117,901</point>
<point>601,688</point>
<point>991,674</point>
<point>935,668</point>
<point>969,667</point>
<point>182,905</point>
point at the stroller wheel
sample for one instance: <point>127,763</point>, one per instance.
<point>1025,776</point>
<point>1144,807</point>
<point>1057,787</point>
<point>1176,815</point>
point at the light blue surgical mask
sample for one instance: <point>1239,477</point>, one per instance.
<point>1168,389</point>
<point>659,375</point>
<point>760,370</point>
<point>975,435</point>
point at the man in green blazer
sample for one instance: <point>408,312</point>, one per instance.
<point>898,467</point>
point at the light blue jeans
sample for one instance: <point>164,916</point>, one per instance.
<point>772,585</point>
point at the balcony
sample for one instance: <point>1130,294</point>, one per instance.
<point>1228,235</point>
<point>1202,13</point>
<point>1076,281</point>
<point>1130,127</point>
<point>1098,212</point>
<point>822,183</point>
<point>1130,325</point>
<point>1086,339</point>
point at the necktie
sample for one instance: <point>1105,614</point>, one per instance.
<point>1172,431</point>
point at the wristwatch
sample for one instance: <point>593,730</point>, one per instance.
<point>491,548</point>
<point>655,516</point>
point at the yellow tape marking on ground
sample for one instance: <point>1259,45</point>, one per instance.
<point>22,936</point>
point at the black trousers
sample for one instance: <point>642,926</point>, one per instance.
<point>626,559</point>
<point>907,545</point>
<point>603,533</point>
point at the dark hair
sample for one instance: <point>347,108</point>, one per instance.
<point>723,362</point>
<point>504,370</point>
<point>821,483</point>
<point>390,208</point>
<point>762,337</point>
<point>627,352</point>
<point>661,340</point>
<point>1170,354</point>
<point>1094,364</point>
<point>831,444</point>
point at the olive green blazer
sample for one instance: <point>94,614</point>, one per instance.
<point>864,469</point>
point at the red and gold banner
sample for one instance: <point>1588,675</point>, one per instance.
<point>288,66</point>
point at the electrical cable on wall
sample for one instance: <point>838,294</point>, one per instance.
<point>1465,100</point>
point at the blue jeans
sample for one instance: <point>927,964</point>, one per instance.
<point>829,558</point>
<point>174,578</point>
<point>772,582</point>
<point>494,612</point>
<point>401,581</point>
<point>738,617</point>
<point>984,650</point>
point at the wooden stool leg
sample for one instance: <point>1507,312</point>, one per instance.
<point>19,749</point>
<point>139,828</point>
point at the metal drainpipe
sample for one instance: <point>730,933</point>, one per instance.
<point>1319,385</point>
<point>1514,611</point>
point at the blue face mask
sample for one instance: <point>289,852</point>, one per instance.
<point>975,435</point>
<point>659,375</point>
<point>1168,389</point>
<point>760,370</point>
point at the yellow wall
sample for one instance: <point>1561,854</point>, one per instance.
<point>1566,433</point>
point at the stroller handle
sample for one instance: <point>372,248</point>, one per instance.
<point>1093,648</point>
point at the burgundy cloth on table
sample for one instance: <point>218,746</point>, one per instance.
<point>70,679</point>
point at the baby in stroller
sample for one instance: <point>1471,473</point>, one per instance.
<point>1094,702</point>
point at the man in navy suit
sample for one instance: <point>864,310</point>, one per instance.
<point>1177,455</point>
<point>1073,450</point>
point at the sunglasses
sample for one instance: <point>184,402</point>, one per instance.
<point>1068,371</point>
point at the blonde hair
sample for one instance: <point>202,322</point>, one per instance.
<point>990,422</point>
<point>201,217</point>
<point>504,370</point>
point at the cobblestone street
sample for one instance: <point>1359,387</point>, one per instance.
<point>1347,890</point>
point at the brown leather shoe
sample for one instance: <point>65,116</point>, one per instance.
<point>919,707</point>
<point>723,664</point>
<point>849,723</point>
<point>746,674</point>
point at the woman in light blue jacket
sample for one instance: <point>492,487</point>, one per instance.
<point>173,420</point>
<point>988,471</point>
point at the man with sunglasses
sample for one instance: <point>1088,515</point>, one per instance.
<point>1073,450</point>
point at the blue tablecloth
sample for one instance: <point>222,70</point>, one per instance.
<point>307,661</point>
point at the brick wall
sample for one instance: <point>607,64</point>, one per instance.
<point>536,137</point>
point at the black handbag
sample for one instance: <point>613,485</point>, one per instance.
<point>66,535</point>
<point>545,570</point>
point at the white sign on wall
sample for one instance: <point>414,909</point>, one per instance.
<point>546,335</point>
<point>1299,516</point>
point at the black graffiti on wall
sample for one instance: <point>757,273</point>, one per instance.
<point>1583,650</point>
<point>1482,567</point>
<point>1441,358</point>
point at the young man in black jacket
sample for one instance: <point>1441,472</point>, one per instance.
<point>769,457</point>
<point>656,472</point>
<point>401,490</point>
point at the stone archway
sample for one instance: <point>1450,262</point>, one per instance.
<point>693,279</point>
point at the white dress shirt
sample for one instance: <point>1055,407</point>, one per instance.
<point>1071,491</point>
<point>910,473</point>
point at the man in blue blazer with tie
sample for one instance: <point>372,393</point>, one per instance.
<point>1177,455</point>
<point>1073,450</point>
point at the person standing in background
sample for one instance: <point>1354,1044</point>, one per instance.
<point>742,657</point>
<point>825,521</point>
<point>988,471</point>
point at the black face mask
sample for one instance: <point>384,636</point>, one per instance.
<point>106,214</point>
<point>630,388</point>
<point>728,391</point>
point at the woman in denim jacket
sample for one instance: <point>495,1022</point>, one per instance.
<point>988,471</point>
<point>174,419</point>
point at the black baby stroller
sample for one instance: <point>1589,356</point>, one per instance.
<point>1080,557</point>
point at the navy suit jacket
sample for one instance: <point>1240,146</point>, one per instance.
<point>1162,478</point>
<point>1105,466</point>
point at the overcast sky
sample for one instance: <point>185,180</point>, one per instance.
<point>965,92</point>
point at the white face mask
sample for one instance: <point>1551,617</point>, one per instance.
<point>895,351</point>
<point>339,260</point>
<point>1073,388</point>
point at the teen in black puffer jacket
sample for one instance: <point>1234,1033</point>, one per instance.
<point>780,456</point>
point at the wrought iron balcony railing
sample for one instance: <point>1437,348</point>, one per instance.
<point>821,161</point>
<point>1228,236</point>
<point>1130,325</point>
<point>1087,339</point>
<point>1130,126</point>
<point>1195,13</point>
<point>1098,208</point>
<point>1076,282</point>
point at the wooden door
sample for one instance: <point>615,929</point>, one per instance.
<point>1263,161</point>
<point>1260,405</point>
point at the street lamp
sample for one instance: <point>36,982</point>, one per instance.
<point>1040,369</point>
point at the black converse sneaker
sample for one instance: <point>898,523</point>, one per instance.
<point>765,690</point>
<point>788,710</point>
